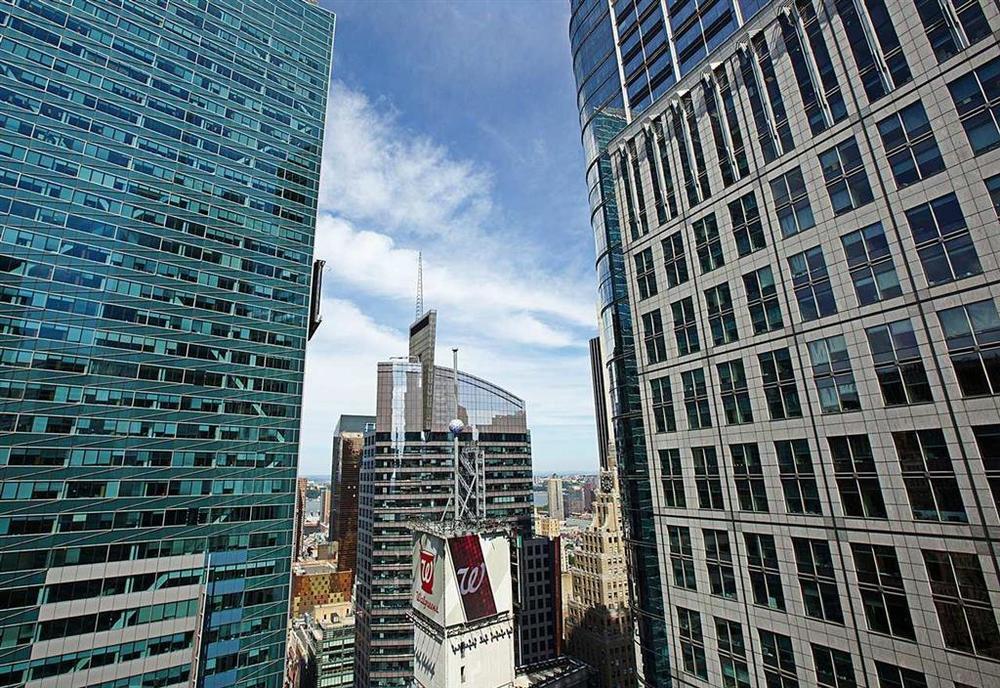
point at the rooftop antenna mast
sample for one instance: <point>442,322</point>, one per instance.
<point>420,285</point>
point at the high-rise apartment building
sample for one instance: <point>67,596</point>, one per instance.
<point>348,447</point>
<point>538,608</point>
<point>408,474</point>
<point>809,224</point>
<point>556,501</point>
<point>159,170</point>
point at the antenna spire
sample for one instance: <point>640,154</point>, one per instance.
<point>420,284</point>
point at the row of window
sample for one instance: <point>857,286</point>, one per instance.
<point>957,585</point>
<point>972,335</point>
<point>940,234</point>
<point>925,467</point>
<point>834,668</point>
<point>908,141</point>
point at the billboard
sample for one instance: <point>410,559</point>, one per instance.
<point>460,579</point>
<point>429,578</point>
<point>472,576</point>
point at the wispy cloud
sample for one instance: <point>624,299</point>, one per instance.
<point>388,192</point>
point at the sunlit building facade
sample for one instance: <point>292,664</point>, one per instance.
<point>159,169</point>
<point>809,228</point>
<point>408,474</point>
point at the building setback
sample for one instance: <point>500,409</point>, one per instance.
<point>809,228</point>
<point>159,170</point>
<point>407,474</point>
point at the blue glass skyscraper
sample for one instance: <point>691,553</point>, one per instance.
<point>159,170</point>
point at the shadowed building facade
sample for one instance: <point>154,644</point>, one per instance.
<point>159,171</point>
<point>348,447</point>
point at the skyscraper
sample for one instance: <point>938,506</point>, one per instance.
<point>599,622</point>
<point>556,504</point>
<point>809,223</point>
<point>408,474</point>
<point>348,447</point>
<point>159,170</point>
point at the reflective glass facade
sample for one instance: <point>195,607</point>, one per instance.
<point>159,169</point>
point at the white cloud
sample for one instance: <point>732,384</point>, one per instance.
<point>386,193</point>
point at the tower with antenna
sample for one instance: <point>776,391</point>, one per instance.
<point>420,285</point>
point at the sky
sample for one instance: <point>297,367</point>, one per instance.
<point>452,130</point>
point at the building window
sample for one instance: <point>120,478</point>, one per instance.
<point>747,229</point>
<point>993,187</point>
<point>685,326</point>
<point>857,480</point>
<point>977,99</point>
<point>673,478</point>
<point>817,580</point>
<point>972,333</point>
<point>791,201</point>
<point>692,642</point>
<point>764,74</point>
<point>965,612</point>
<point>708,244</point>
<point>779,660</point>
<point>765,576</point>
<point>811,282</point>
<point>988,442</point>
<point>883,596</point>
<point>869,261</point>
<point>645,273</point>
<point>661,211</point>
<point>735,392</point>
<point>674,261</point>
<point>719,561</point>
<point>721,317</point>
<point>946,37</point>
<point>662,166</point>
<point>640,196</point>
<point>779,384</point>
<point>891,676</point>
<point>652,333</point>
<point>696,399</point>
<point>798,480</point>
<point>707,478</point>
<point>875,45</point>
<point>943,241</point>
<point>691,131</point>
<point>898,366</point>
<point>682,557</point>
<point>732,654</point>
<point>748,475</point>
<point>729,145</point>
<point>832,374</point>
<point>929,477</point>
<point>845,177</point>
<point>833,667</point>
<point>822,99</point>
<point>762,301</point>
<point>663,404</point>
<point>910,145</point>
<point>626,183</point>
<point>684,153</point>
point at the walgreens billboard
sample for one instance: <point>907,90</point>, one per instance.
<point>462,579</point>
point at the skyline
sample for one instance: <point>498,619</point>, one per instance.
<point>403,174</point>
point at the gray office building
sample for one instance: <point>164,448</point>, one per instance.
<point>809,226</point>
<point>408,474</point>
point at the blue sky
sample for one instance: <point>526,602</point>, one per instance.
<point>452,129</point>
